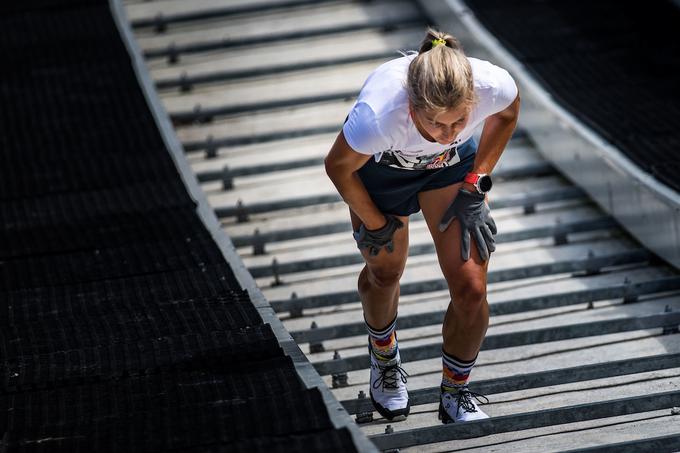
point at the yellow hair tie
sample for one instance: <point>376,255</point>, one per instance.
<point>438,41</point>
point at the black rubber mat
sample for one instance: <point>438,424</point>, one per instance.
<point>102,232</point>
<point>207,285</point>
<point>613,64</point>
<point>50,174</point>
<point>118,262</point>
<point>122,327</point>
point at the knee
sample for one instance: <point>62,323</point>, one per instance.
<point>384,277</point>
<point>470,297</point>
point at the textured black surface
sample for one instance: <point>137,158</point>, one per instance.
<point>613,64</point>
<point>122,328</point>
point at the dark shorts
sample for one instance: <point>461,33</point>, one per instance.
<point>395,191</point>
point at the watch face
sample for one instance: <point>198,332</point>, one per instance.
<point>485,183</point>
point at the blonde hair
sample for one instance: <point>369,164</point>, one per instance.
<point>440,77</point>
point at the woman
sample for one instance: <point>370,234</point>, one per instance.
<point>407,145</point>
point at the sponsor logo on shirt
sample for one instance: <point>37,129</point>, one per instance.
<point>397,159</point>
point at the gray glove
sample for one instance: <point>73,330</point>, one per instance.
<point>474,217</point>
<point>374,240</point>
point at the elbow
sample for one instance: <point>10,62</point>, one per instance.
<point>327,165</point>
<point>330,167</point>
<point>337,172</point>
<point>511,114</point>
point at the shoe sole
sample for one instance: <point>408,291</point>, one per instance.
<point>443,416</point>
<point>446,418</point>
<point>393,416</point>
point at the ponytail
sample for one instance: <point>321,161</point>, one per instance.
<point>440,77</point>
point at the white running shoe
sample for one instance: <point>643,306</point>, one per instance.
<point>460,406</point>
<point>388,388</point>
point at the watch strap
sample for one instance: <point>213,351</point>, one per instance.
<point>472,178</point>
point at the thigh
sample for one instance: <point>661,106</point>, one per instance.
<point>394,261</point>
<point>458,273</point>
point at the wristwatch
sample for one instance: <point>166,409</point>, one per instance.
<point>482,182</point>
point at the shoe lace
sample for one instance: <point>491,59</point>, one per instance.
<point>390,376</point>
<point>465,402</point>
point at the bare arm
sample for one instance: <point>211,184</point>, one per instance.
<point>496,134</point>
<point>342,164</point>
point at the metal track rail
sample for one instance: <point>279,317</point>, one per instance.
<point>558,232</point>
<point>160,22</point>
<point>570,414</point>
<point>187,83</point>
<point>591,316</point>
<point>528,200</point>
<point>627,291</point>
<point>509,340</point>
<point>661,443</point>
<point>540,379</point>
<point>590,264</point>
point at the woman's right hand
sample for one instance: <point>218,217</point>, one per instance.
<point>374,240</point>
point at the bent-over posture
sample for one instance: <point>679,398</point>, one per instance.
<point>407,145</point>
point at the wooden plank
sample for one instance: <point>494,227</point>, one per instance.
<point>509,388</point>
<point>518,155</point>
<point>526,306</point>
<point>328,114</point>
<point>587,411</point>
<point>498,293</point>
<point>545,398</point>
<point>146,9</point>
<point>561,437</point>
<point>276,54</point>
<point>288,251</point>
<point>668,442</point>
<point>299,186</point>
<point>429,269</point>
<point>312,82</point>
<point>499,363</point>
<point>421,350</point>
<point>285,149</point>
<point>506,324</point>
<point>278,22</point>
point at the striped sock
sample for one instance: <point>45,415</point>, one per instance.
<point>455,372</point>
<point>383,342</point>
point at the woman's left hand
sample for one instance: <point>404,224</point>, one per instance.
<point>474,216</point>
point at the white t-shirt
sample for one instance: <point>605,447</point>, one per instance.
<point>379,121</point>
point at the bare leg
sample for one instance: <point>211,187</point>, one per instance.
<point>379,292</point>
<point>378,283</point>
<point>467,317</point>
